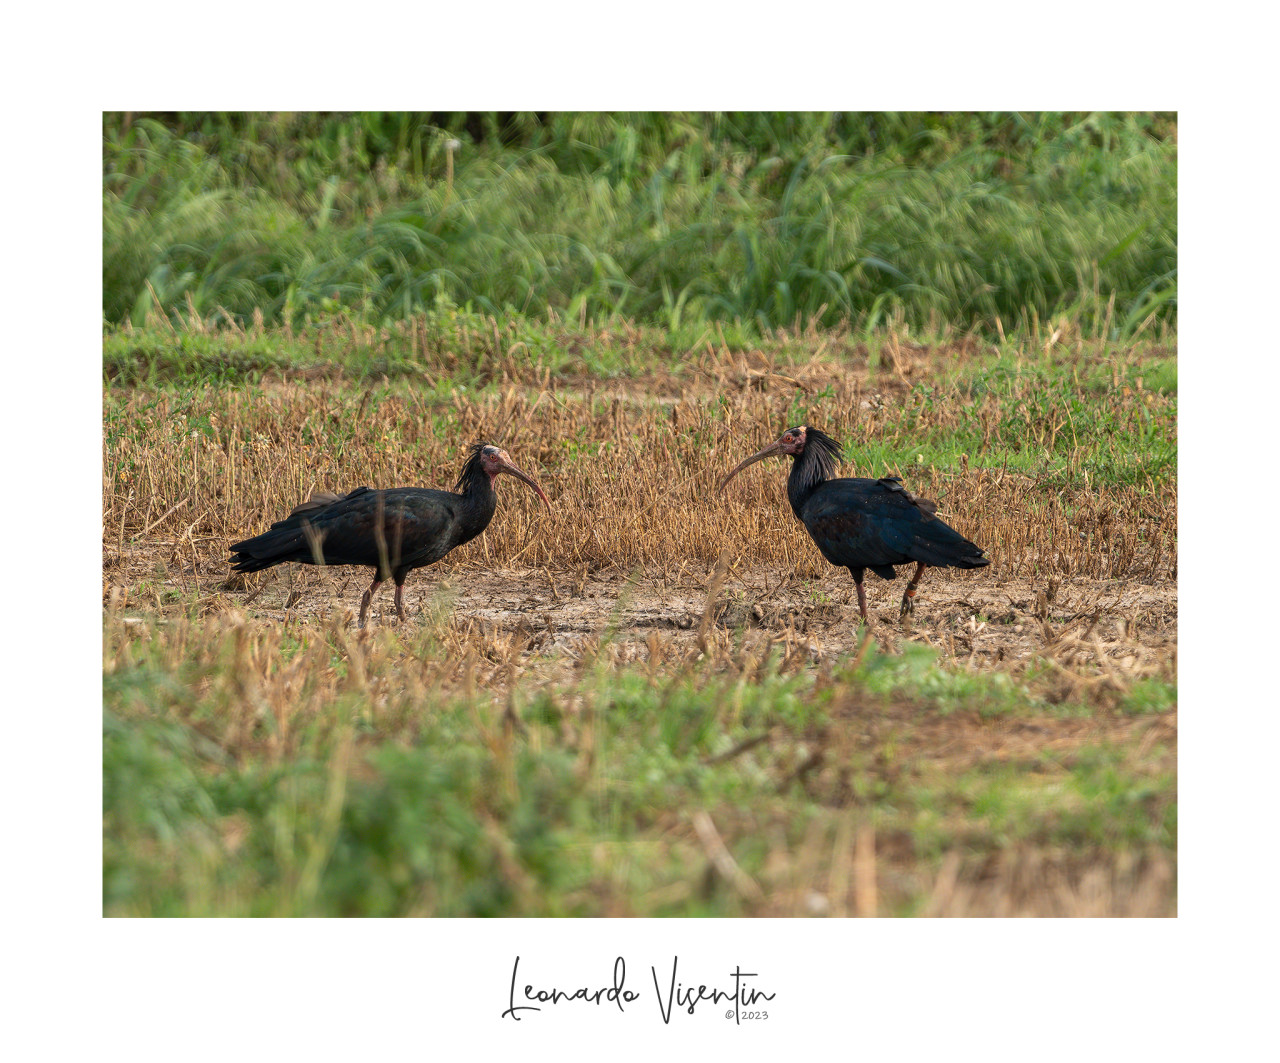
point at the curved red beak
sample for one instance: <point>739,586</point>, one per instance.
<point>508,466</point>
<point>773,448</point>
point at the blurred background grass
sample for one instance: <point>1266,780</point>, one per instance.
<point>756,221</point>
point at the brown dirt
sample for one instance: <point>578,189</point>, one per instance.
<point>1094,631</point>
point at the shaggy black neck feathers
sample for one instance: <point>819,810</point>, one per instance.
<point>473,474</point>
<point>816,463</point>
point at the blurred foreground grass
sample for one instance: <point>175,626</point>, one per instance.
<point>255,770</point>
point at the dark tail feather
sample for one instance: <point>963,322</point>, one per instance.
<point>286,541</point>
<point>248,563</point>
<point>940,545</point>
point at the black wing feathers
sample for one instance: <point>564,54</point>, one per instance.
<point>319,500</point>
<point>863,523</point>
<point>403,528</point>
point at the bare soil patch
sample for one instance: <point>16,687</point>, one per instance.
<point>1094,631</point>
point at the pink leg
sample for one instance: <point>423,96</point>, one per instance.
<point>909,595</point>
<point>400,601</point>
<point>367,600</point>
<point>862,602</point>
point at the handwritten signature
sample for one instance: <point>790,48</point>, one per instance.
<point>677,994</point>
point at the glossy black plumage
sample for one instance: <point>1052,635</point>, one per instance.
<point>860,523</point>
<point>392,531</point>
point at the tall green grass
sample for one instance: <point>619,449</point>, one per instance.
<point>986,221</point>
